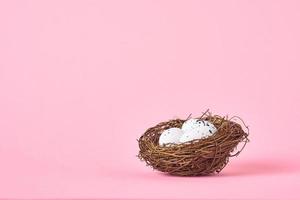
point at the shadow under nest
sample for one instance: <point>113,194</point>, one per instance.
<point>198,157</point>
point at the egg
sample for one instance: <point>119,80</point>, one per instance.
<point>191,124</point>
<point>197,130</point>
<point>171,135</point>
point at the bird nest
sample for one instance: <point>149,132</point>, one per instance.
<point>198,157</point>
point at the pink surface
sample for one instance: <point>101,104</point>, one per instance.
<point>81,80</point>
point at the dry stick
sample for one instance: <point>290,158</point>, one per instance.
<point>204,113</point>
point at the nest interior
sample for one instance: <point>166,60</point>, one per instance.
<point>197,157</point>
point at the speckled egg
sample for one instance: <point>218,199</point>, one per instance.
<point>191,124</point>
<point>171,135</point>
<point>197,129</point>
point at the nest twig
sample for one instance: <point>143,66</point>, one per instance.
<point>197,157</point>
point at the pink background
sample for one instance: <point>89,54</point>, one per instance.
<point>80,81</point>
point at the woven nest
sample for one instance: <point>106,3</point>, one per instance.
<point>197,157</point>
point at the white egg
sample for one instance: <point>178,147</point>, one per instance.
<point>201,129</point>
<point>191,124</point>
<point>171,135</point>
